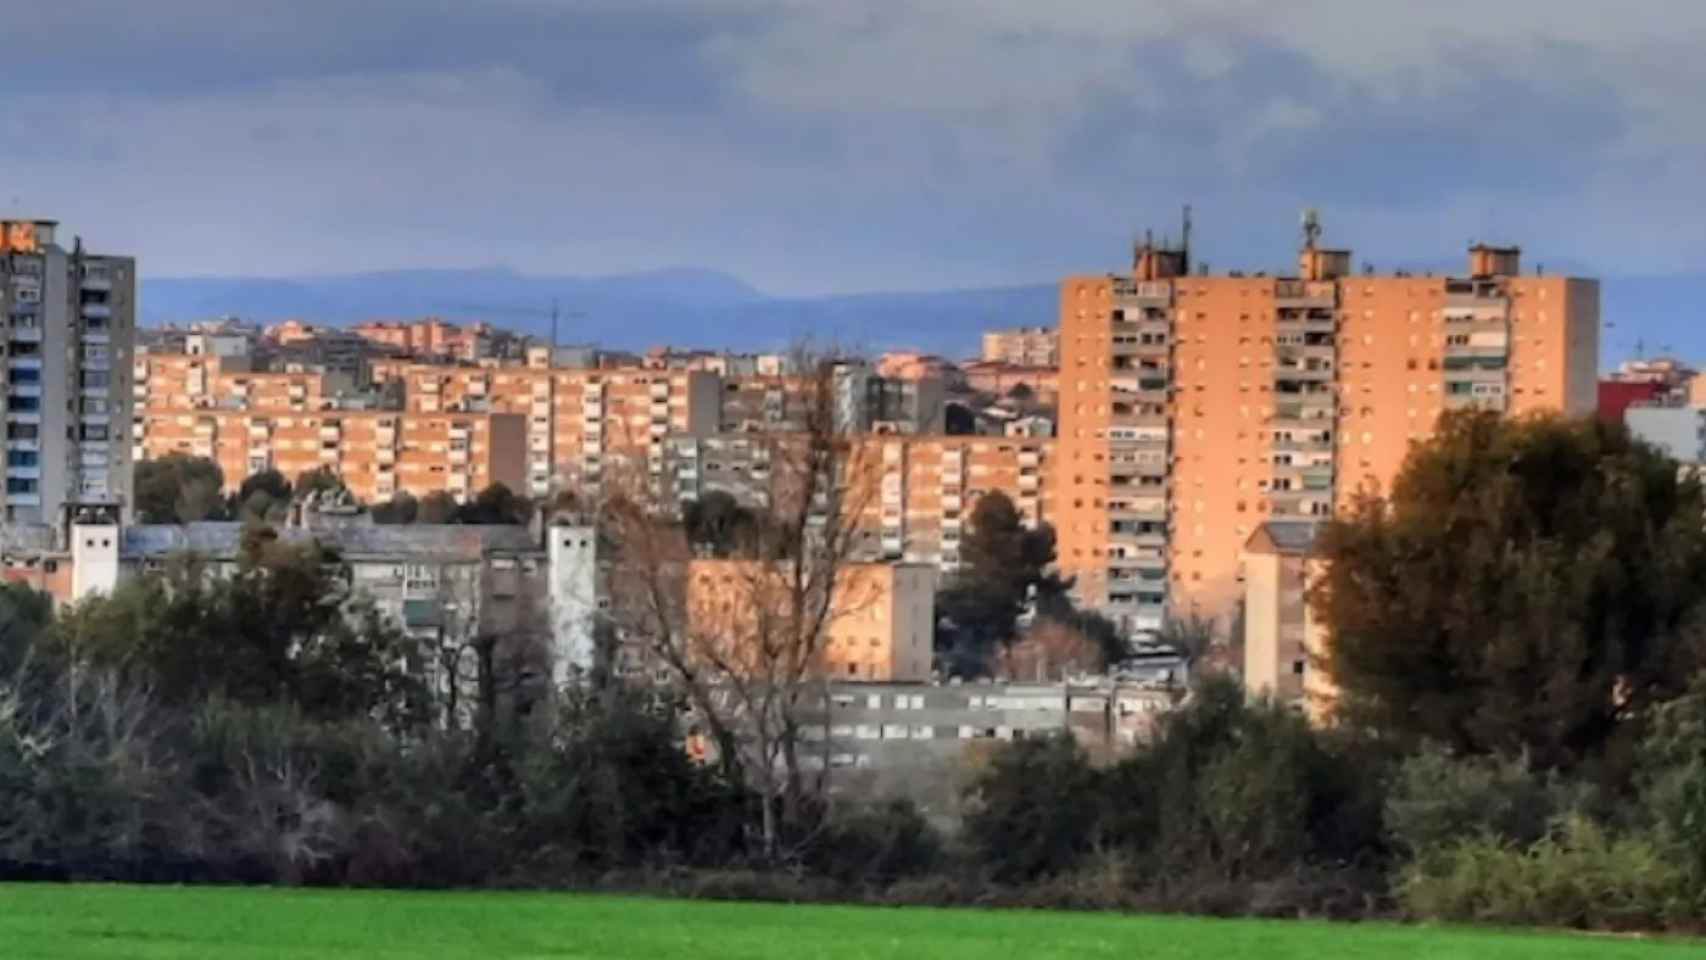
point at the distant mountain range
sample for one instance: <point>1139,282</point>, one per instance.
<point>687,306</point>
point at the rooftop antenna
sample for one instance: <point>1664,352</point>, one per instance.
<point>1185,239</point>
<point>1311,228</point>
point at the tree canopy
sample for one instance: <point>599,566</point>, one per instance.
<point>1529,586</point>
<point>1004,569</point>
<point>178,488</point>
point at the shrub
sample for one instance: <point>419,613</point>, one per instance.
<point>1578,875</point>
<point>1034,811</point>
<point>877,845</point>
<point>1436,799</point>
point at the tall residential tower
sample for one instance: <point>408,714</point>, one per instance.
<point>68,335</point>
<point>1195,408</point>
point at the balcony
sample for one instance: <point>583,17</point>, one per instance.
<point>1141,294</point>
<point>1306,294</point>
<point>97,311</point>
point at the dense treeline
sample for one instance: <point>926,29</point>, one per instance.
<point>1519,734</point>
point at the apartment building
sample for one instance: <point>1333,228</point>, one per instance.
<point>879,623</point>
<point>581,425</point>
<point>70,322</point>
<point>771,404</point>
<point>433,337</point>
<point>919,493</point>
<point>1022,346</point>
<point>1194,408</point>
<point>300,347</point>
<point>1002,378</point>
<point>175,381</point>
<point>741,465</point>
<point>910,497</point>
<point>378,454</point>
<point>1283,642</point>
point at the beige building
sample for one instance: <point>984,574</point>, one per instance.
<point>1195,408</point>
<point>69,330</point>
<point>1283,642</point>
<point>1022,346</point>
<point>579,424</point>
<point>878,623</point>
<point>377,454</point>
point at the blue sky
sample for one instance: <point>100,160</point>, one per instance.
<point>825,146</point>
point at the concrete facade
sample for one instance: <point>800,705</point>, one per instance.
<point>1194,408</point>
<point>69,332</point>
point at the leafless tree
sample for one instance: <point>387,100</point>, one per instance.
<point>744,640</point>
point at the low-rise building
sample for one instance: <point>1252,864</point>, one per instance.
<point>435,581</point>
<point>1022,346</point>
<point>1679,431</point>
<point>1283,641</point>
<point>876,624</point>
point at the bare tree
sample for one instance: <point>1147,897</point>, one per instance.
<point>744,639</point>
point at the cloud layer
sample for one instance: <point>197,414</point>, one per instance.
<point>837,145</point>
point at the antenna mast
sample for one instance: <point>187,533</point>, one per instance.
<point>1185,240</point>
<point>1311,228</point>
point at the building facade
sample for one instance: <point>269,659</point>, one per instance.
<point>1022,346</point>
<point>1283,641</point>
<point>581,426</point>
<point>878,622</point>
<point>70,322</point>
<point>376,453</point>
<point>1194,408</point>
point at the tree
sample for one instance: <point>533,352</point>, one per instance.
<point>178,488</point>
<point>718,524</point>
<point>1192,636</point>
<point>321,479</point>
<point>268,481</point>
<point>496,504</point>
<point>1035,811</point>
<point>436,507</point>
<point>1004,570</point>
<point>264,497</point>
<point>1530,586</point>
<point>24,615</point>
<point>284,628</point>
<point>745,648</point>
<point>401,508</point>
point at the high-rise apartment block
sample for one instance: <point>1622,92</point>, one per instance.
<point>1022,346</point>
<point>1195,408</point>
<point>69,330</point>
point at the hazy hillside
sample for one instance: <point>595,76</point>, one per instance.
<point>702,307</point>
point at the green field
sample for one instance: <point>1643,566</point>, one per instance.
<point>67,922</point>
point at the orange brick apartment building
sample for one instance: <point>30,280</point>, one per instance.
<point>376,453</point>
<point>1195,408</point>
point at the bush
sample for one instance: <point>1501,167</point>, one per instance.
<point>1239,792</point>
<point>1436,800</point>
<point>876,846</point>
<point>1578,875</point>
<point>1035,811</point>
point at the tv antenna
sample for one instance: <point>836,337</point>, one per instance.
<point>1311,227</point>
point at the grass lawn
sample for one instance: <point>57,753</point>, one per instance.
<point>141,923</point>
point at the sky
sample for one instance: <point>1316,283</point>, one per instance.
<point>833,146</point>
